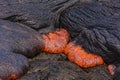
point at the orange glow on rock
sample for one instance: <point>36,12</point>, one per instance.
<point>111,69</point>
<point>55,42</point>
<point>12,77</point>
<point>78,55</point>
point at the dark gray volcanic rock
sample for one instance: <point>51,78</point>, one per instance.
<point>95,26</point>
<point>19,39</point>
<point>21,20</point>
<point>50,69</point>
<point>16,42</point>
<point>37,14</point>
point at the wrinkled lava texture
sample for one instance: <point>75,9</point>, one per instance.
<point>90,36</point>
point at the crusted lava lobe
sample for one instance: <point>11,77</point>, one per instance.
<point>16,43</point>
<point>95,26</point>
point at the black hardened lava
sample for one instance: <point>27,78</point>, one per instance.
<point>88,26</point>
<point>96,27</point>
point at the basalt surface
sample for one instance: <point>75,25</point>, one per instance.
<point>33,16</point>
<point>57,67</point>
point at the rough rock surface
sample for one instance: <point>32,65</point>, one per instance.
<point>95,26</point>
<point>37,14</point>
<point>56,67</point>
<point>42,16</point>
